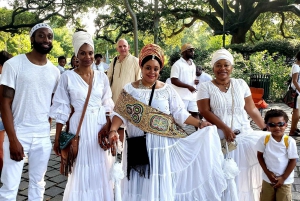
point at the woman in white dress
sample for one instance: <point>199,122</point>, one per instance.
<point>89,179</point>
<point>225,102</point>
<point>181,167</point>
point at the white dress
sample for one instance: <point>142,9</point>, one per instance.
<point>89,179</point>
<point>185,169</point>
<point>249,180</point>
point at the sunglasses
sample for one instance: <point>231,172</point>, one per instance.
<point>279,124</point>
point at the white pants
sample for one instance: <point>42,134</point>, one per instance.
<point>38,150</point>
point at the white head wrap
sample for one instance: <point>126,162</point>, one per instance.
<point>80,38</point>
<point>221,54</point>
<point>39,26</point>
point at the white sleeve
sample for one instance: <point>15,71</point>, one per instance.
<point>246,88</point>
<point>60,109</point>
<point>292,149</point>
<point>177,107</point>
<point>260,146</point>
<point>203,92</point>
<point>175,70</point>
<point>295,68</point>
<point>107,101</point>
<point>8,76</point>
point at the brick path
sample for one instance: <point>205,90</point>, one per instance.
<point>55,183</point>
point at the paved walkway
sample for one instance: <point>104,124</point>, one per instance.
<point>55,183</point>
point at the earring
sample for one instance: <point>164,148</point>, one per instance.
<point>141,76</point>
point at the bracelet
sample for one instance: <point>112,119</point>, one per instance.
<point>112,131</point>
<point>200,122</point>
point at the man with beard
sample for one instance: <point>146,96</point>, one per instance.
<point>183,78</point>
<point>27,84</point>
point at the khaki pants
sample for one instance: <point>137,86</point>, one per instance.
<point>268,193</point>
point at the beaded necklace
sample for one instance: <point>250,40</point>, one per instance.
<point>141,86</point>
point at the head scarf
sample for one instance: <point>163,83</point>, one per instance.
<point>39,26</point>
<point>221,54</point>
<point>151,50</point>
<point>80,38</point>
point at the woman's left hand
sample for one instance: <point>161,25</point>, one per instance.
<point>113,140</point>
<point>204,124</point>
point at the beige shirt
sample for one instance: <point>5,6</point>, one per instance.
<point>125,72</point>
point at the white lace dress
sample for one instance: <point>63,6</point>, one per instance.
<point>249,180</point>
<point>89,179</point>
<point>186,169</point>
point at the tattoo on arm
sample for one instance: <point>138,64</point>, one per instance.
<point>8,92</point>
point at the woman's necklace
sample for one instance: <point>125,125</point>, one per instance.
<point>226,85</point>
<point>141,86</point>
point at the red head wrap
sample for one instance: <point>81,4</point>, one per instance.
<point>152,50</point>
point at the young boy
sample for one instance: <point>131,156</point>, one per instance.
<point>277,155</point>
<point>61,63</point>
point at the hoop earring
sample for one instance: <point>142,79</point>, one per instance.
<point>141,76</point>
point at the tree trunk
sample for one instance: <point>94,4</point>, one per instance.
<point>135,27</point>
<point>239,36</point>
<point>156,21</point>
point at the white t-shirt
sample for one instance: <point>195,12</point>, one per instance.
<point>187,74</point>
<point>295,69</point>
<point>204,77</point>
<point>277,156</point>
<point>34,86</point>
<point>61,69</point>
<point>101,67</point>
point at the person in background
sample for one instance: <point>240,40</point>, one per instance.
<point>181,166</point>
<point>201,76</point>
<point>4,56</point>
<point>89,180</point>
<point>277,156</point>
<point>99,64</point>
<point>28,82</point>
<point>226,102</point>
<point>183,78</point>
<point>61,64</point>
<point>294,131</point>
<point>123,69</point>
<point>74,62</point>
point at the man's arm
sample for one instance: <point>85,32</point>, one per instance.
<point>178,83</point>
<point>6,98</point>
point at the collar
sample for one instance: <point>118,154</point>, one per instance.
<point>185,61</point>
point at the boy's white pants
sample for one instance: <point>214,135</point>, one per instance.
<point>38,150</point>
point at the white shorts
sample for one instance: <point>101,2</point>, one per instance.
<point>190,106</point>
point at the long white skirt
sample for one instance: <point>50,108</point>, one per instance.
<point>186,169</point>
<point>249,180</point>
<point>89,180</point>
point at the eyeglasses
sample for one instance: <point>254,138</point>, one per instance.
<point>279,124</point>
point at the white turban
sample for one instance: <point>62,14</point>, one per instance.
<point>80,38</point>
<point>221,54</point>
<point>39,26</point>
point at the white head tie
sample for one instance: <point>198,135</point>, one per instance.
<point>80,38</point>
<point>39,26</point>
<point>221,54</point>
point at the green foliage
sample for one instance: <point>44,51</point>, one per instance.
<point>287,48</point>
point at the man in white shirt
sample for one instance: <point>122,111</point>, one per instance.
<point>202,76</point>
<point>183,78</point>
<point>61,63</point>
<point>28,82</point>
<point>99,65</point>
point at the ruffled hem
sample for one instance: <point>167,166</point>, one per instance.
<point>249,180</point>
<point>181,169</point>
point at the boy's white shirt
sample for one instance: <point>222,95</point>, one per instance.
<point>277,156</point>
